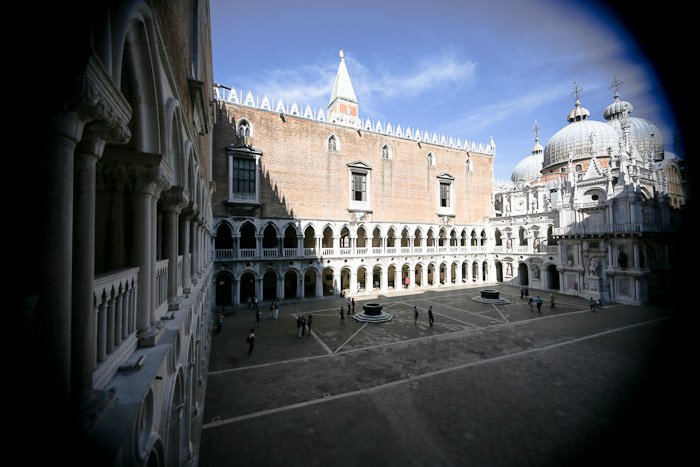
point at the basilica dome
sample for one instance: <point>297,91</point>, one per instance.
<point>644,135</point>
<point>581,138</point>
<point>529,168</point>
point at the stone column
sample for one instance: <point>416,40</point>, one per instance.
<point>635,255</point>
<point>353,246</point>
<point>353,281</point>
<point>142,231</point>
<point>336,283</point>
<point>424,276</point>
<point>384,279</point>
<point>411,277</point>
<point>83,336</point>
<point>280,247</point>
<point>236,292</point>
<point>195,252</point>
<point>185,247</point>
<point>300,286</point>
<point>258,245</point>
<point>300,246</point>
<point>259,289</point>
<point>172,202</point>
<point>448,274</point>
<point>319,284</point>
<point>280,287</point>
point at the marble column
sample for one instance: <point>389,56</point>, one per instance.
<point>143,218</point>
<point>411,278</point>
<point>353,282</point>
<point>195,252</point>
<point>83,335</point>
<point>172,202</point>
<point>384,279</point>
<point>319,284</point>
<point>185,247</point>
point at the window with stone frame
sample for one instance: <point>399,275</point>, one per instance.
<point>243,174</point>
<point>243,179</point>
<point>360,186</point>
<point>445,195</point>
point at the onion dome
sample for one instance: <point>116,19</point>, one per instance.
<point>580,138</point>
<point>644,136</point>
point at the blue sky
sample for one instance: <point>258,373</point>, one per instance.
<point>465,69</point>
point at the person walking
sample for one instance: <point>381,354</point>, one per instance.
<point>303,325</point>
<point>531,302</point>
<point>272,309</point>
<point>219,321</point>
<point>277,309</point>
<point>551,301</point>
<point>258,317</point>
<point>342,315</point>
<point>299,327</point>
<point>251,341</point>
<point>600,304</point>
<point>415,315</point>
<point>431,320</point>
<point>308,323</point>
<point>349,306</point>
<point>522,292</point>
<point>592,303</point>
<point>527,291</point>
<point>538,302</point>
<point>353,305</point>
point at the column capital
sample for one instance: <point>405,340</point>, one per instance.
<point>147,180</point>
<point>174,199</point>
<point>91,145</point>
<point>96,99</point>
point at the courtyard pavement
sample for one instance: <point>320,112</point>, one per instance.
<point>486,385</point>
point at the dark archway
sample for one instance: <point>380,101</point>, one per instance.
<point>552,277</point>
<point>523,274</point>
<point>499,271</point>
<point>247,240</point>
<point>247,287</point>
<point>290,238</point>
<point>269,239</point>
<point>224,289</point>
<point>223,240</point>
<point>328,286</point>
<point>419,275</point>
<point>475,271</point>
<point>485,271</point>
<point>269,286</point>
<point>290,284</point>
<point>310,283</point>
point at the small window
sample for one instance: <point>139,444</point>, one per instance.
<point>386,152</point>
<point>243,128</point>
<point>332,143</point>
<point>594,197</point>
<point>563,170</point>
<point>445,194</point>
<point>359,187</point>
<point>579,167</point>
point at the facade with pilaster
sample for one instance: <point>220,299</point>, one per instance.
<point>120,304</point>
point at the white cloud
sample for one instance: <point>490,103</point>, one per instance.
<point>312,83</point>
<point>483,117</point>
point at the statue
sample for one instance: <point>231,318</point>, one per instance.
<point>593,267</point>
<point>536,245</point>
<point>509,269</point>
<point>536,272</point>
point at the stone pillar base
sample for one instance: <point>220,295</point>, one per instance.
<point>147,338</point>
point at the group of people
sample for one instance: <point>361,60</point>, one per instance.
<point>537,300</point>
<point>304,326</point>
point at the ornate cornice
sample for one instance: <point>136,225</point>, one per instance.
<point>96,99</point>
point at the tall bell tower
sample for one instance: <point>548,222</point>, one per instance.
<point>343,107</point>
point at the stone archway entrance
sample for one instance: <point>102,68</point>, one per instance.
<point>523,274</point>
<point>552,277</point>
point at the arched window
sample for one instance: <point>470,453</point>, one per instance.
<point>332,143</point>
<point>243,128</point>
<point>386,152</point>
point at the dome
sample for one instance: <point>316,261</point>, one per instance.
<point>644,135</point>
<point>581,138</point>
<point>527,169</point>
<point>617,109</point>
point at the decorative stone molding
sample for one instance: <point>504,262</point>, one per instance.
<point>175,199</point>
<point>97,100</point>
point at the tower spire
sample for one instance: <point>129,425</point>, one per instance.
<point>343,106</point>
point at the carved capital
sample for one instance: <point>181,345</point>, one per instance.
<point>91,145</point>
<point>174,199</point>
<point>112,177</point>
<point>96,99</point>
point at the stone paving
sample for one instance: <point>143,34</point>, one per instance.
<point>486,385</point>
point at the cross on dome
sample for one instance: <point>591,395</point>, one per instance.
<point>576,92</point>
<point>615,86</point>
<point>536,130</point>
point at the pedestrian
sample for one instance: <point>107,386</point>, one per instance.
<point>258,317</point>
<point>592,303</point>
<point>349,306</point>
<point>600,304</point>
<point>406,282</point>
<point>522,292</point>
<point>277,309</point>
<point>551,300</point>
<point>299,327</point>
<point>430,315</point>
<point>538,302</point>
<point>342,315</point>
<point>415,315</point>
<point>255,302</point>
<point>250,302</point>
<point>530,302</point>
<point>272,309</point>
<point>353,305</point>
<point>303,325</point>
<point>251,341</point>
<point>308,323</point>
<point>219,321</point>
<point>527,291</point>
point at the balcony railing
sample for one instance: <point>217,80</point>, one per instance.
<point>522,249</point>
<point>405,250</point>
<point>345,251</point>
<point>269,252</point>
<point>310,252</point>
<point>161,291</point>
<point>115,309</point>
<point>224,254</point>
<point>553,249</point>
<point>609,229</point>
<point>289,252</point>
<point>247,252</point>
